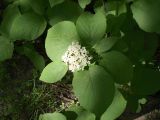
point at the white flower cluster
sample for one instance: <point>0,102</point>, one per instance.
<point>76,57</point>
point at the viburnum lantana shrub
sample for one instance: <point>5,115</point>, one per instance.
<point>68,45</point>
<point>108,45</point>
<point>105,51</point>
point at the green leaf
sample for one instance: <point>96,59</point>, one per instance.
<point>39,6</point>
<point>94,88</point>
<point>55,2</point>
<point>59,37</point>
<point>91,27</point>
<point>116,7</point>
<point>116,108</point>
<point>83,3</point>
<point>57,14</point>
<point>28,26</point>
<point>37,60</point>
<point>10,13</point>
<point>54,72</point>
<point>146,14</point>
<point>146,81</point>
<point>86,116</point>
<point>114,24</point>
<point>6,48</point>
<point>105,44</point>
<point>118,65</point>
<point>52,116</point>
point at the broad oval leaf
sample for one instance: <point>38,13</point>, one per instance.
<point>116,108</point>
<point>6,48</point>
<point>105,44</point>
<point>53,72</point>
<point>57,14</point>
<point>146,81</point>
<point>146,14</point>
<point>83,3</point>
<point>118,65</point>
<point>52,116</point>
<point>10,13</point>
<point>86,115</point>
<point>91,27</point>
<point>94,89</point>
<point>28,26</point>
<point>59,37</point>
<point>16,26</point>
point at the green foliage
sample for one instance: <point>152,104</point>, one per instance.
<point>118,65</point>
<point>116,37</point>
<point>53,72</point>
<point>26,26</point>
<point>91,27</point>
<point>59,37</point>
<point>52,116</point>
<point>146,13</point>
<point>10,13</point>
<point>116,7</point>
<point>83,3</point>
<point>116,108</point>
<point>57,14</point>
<point>86,116</point>
<point>94,88</point>
<point>105,44</point>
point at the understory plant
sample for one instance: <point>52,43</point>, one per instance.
<point>108,45</point>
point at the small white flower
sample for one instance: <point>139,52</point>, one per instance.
<point>76,57</point>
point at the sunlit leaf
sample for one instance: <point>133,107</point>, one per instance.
<point>53,72</point>
<point>59,37</point>
<point>52,116</point>
<point>91,27</point>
